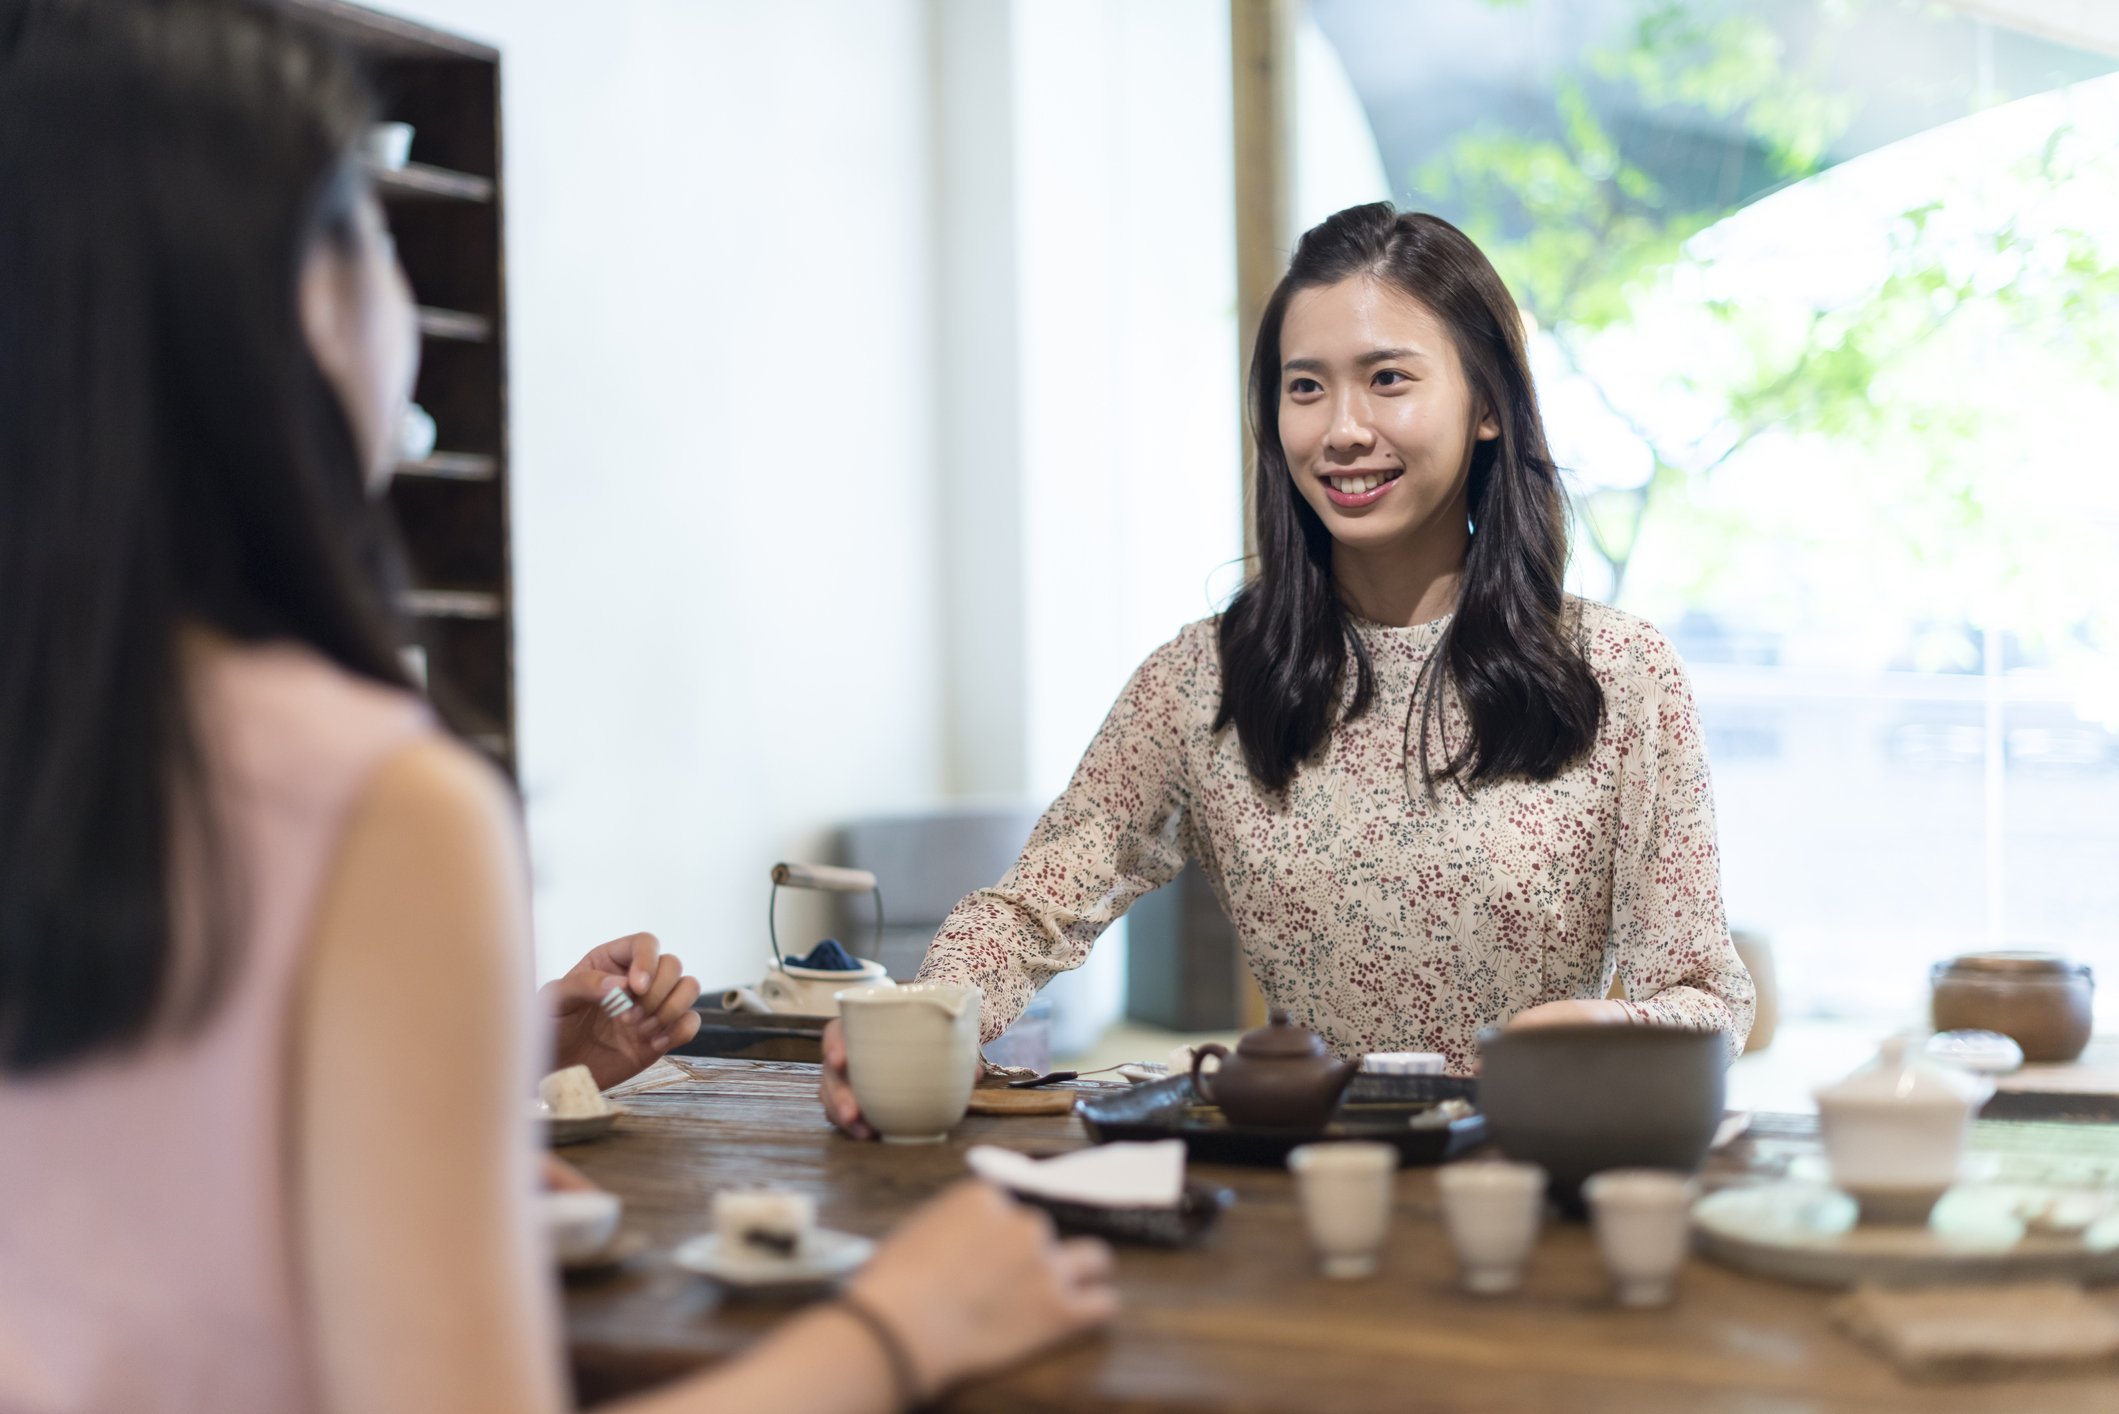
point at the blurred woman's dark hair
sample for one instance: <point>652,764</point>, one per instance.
<point>170,456</point>
<point>1508,653</point>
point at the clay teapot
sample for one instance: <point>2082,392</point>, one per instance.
<point>1281,1077</point>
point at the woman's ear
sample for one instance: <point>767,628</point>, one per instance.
<point>1489,427</point>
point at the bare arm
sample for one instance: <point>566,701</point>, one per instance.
<point>416,1161</point>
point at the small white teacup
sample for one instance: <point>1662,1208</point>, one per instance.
<point>1345,1191</point>
<point>912,1056</point>
<point>1492,1211</point>
<point>388,145</point>
<point>579,1222</point>
<point>1643,1219</point>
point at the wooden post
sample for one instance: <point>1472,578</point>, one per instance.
<point>1262,92</point>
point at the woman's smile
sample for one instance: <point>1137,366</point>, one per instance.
<point>1360,486</point>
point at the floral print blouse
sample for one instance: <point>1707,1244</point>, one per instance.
<point>1381,915</point>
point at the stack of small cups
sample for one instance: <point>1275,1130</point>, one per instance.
<point>1492,1211</point>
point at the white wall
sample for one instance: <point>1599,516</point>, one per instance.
<point>719,278</point>
<point>874,413</point>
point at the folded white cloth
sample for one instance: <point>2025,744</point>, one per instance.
<point>1108,1175</point>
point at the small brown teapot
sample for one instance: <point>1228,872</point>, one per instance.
<point>1281,1077</point>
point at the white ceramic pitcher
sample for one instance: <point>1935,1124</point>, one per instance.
<point>912,1056</point>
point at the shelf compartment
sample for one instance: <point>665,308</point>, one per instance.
<point>454,324</point>
<point>418,181</point>
<point>453,466</point>
<point>452,603</point>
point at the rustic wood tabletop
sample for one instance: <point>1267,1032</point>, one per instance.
<point>1241,1322</point>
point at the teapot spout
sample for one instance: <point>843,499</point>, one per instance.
<point>1343,1077</point>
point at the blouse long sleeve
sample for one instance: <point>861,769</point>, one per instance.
<point>1672,939</point>
<point>1114,834</point>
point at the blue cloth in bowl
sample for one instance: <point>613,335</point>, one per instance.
<point>828,956</point>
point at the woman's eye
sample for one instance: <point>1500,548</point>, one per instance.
<point>1390,377</point>
<point>1300,386</point>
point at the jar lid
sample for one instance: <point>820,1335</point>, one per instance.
<point>2014,964</point>
<point>1280,1039</point>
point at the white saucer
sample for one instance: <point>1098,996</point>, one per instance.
<point>825,1257</point>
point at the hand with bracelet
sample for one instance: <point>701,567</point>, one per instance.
<point>972,1283</point>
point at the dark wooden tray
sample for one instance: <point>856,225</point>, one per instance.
<point>749,1035</point>
<point>1376,1107</point>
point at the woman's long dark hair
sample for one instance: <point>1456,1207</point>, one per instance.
<point>1507,653</point>
<point>170,455</point>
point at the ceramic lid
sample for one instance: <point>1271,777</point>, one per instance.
<point>1901,1075</point>
<point>1280,1039</point>
<point>2014,964</point>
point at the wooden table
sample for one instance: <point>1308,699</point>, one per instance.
<point>1242,1323</point>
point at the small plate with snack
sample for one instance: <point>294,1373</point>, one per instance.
<point>571,1108</point>
<point>767,1242</point>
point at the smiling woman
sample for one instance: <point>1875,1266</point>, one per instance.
<point>1432,791</point>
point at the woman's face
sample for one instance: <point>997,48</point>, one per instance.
<point>358,315</point>
<point>1376,418</point>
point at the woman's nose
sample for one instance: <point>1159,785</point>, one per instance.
<point>1350,430</point>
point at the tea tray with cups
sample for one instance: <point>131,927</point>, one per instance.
<point>1412,1113</point>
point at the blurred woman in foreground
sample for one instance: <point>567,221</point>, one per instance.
<point>265,1023</point>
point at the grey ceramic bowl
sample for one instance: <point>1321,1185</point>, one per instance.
<point>1576,1100</point>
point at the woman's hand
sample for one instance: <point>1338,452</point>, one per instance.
<point>835,1090</point>
<point>618,1049</point>
<point>1577,1012</point>
<point>975,1281</point>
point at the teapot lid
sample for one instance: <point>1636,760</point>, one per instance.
<point>1901,1074</point>
<point>1280,1039</point>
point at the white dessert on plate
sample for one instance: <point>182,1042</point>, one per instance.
<point>764,1222</point>
<point>572,1094</point>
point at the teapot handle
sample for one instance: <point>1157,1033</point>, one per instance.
<point>1199,1081</point>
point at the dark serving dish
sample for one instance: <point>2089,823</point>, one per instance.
<point>1376,1107</point>
<point>1195,1214</point>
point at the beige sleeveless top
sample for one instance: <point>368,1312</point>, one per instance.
<point>147,1241</point>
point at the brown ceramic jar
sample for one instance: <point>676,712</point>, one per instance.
<point>2039,1000</point>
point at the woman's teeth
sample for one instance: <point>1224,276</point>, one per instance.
<point>1358,485</point>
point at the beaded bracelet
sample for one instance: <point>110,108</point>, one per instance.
<point>902,1373</point>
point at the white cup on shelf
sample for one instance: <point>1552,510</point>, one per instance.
<point>388,145</point>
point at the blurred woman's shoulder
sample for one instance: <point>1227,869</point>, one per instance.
<point>281,721</point>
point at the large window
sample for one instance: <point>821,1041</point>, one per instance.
<point>1825,301</point>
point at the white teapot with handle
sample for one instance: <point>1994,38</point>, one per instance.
<point>793,989</point>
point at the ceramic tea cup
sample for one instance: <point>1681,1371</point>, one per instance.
<point>1492,1211</point>
<point>1345,1191</point>
<point>579,1222</point>
<point>1643,1219</point>
<point>912,1056</point>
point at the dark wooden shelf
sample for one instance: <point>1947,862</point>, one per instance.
<point>454,324</point>
<point>447,212</point>
<point>452,466</point>
<point>416,181</point>
<point>453,603</point>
